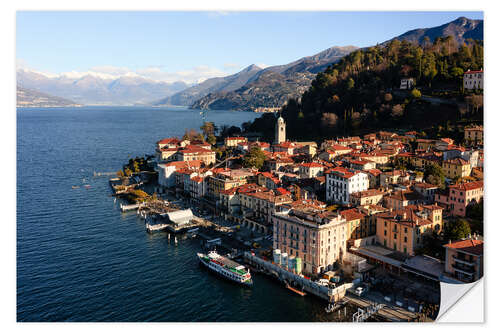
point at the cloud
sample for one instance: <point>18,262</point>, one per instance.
<point>192,75</point>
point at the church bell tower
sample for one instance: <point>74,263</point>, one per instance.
<point>280,131</point>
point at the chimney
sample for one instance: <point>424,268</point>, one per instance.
<point>449,241</point>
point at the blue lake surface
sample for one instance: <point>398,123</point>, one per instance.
<point>80,259</point>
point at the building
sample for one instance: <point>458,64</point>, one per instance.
<point>225,179</point>
<point>464,259</point>
<point>333,151</point>
<point>401,199</point>
<point>310,170</point>
<point>474,135</point>
<point>356,226</point>
<point>259,203</point>
<point>402,230</point>
<point>194,153</point>
<point>362,164</point>
<point>316,236</point>
<point>280,131</point>
<point>460,196</point>
<point>456,168</point>
<point>368,197</point>
<point>166,172</point>
<point>233,141</point>
<point>341,182</point>
<point>428,191</point>
<point>393,177</point>
<point>473,80</point>
<point>407,83</point>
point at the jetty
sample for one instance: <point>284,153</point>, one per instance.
<point>156,227</point>
<point>125,208</point>
<point>388,312</point>
<point>290,278</point>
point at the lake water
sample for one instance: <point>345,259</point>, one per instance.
<point>80,259</point>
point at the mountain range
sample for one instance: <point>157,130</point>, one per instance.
<point>250,88</point>
<point>31,98</point>
<point>461,29</point>
<point>268,87</point>
<point>273,86</point>
<point>94,90</point>
<point>219,84</point>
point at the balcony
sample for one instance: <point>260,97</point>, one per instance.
<point>464,269</point>
<point>464,261</point>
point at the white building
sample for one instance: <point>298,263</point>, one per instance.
<point>280,131</point>
<point>341,182</point>
<point>473,80</point>
<point>166,172</point>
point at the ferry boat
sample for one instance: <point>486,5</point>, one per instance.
<point>227,268</point>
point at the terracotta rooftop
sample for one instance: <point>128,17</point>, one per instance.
<point>468,186</point>
<point>472,246</point>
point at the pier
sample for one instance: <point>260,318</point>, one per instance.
<point>388,312</point>
<point>126,208</point>
<point>303,285</point>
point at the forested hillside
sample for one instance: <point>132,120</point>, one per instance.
<point>361,92</point>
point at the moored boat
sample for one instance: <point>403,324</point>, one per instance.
<point>225,267</point>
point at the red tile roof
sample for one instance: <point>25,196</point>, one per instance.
<point>473,246</point>
<point>169,140</point>
<point>468,186</point>
<point>352,214</point>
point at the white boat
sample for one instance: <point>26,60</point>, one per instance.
<point>225,267</point>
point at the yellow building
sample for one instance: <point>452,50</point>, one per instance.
<point>402,230</point>
<point>316,236</point>
<point>474,135</point>
<point>456,167</point>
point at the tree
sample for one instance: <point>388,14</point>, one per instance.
<point>128,172</point>
<point>211,139</point>
<point>350,83</point>
<point>434,175</point>
<point>254,159</point>
<point>329,119</point>
<point>191,135</point>
<point>120,173</point>
<point>415,93</point>
<point>457,229</point>
<point>208,128</point>
<point>397,110</point>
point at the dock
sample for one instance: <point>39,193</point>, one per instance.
<point>125,208</point>
<point>156,227</point>
<point>290,278</point>
<point>388,312</point>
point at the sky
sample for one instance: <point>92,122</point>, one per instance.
<point>193,46</point>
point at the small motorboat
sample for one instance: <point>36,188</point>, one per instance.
<point>75,186</point>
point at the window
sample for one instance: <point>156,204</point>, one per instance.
<point>406,239</point>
